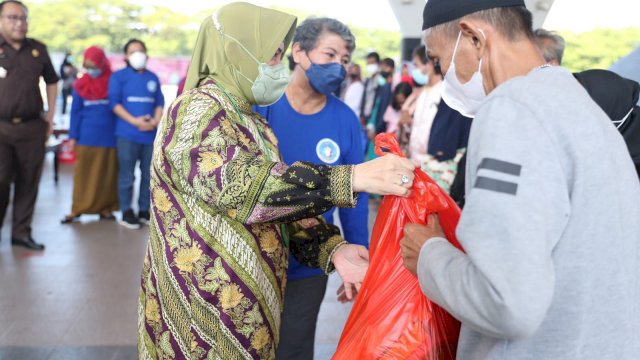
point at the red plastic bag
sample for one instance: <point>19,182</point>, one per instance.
<point>66,154</point>
<point>392,318</point>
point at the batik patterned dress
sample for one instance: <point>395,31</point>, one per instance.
<point>215,269</point>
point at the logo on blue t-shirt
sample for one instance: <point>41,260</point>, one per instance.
<point>152,86</point>
<point>328,151</point>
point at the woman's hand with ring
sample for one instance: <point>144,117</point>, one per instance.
<point>384,176</point>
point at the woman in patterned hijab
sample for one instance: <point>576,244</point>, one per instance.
<point>226,211</point>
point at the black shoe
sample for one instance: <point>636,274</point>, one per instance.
<point>107,216</point>
<point>144,217</point>
<point>129,220</point>
<point>27,242</point>
<point>69,219</point>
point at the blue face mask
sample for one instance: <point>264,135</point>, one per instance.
<point>94,73</point>
<point>418,77</point>
<point>326,78</point>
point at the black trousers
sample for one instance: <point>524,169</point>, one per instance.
<point>22,148</point>
<point>66,92</point>
<point>302,299</point>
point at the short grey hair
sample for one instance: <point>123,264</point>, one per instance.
<point>551,44</point>
<point>513,22</point>
<point>310,31</point>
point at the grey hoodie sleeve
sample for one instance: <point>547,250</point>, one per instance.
<point>517,207</point>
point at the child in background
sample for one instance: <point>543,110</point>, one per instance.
<point>392,114</point>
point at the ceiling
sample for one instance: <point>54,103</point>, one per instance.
<point>409,14</point>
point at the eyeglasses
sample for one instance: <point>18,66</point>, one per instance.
<point>16,18</point>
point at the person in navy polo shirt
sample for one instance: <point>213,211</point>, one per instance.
<point>137,101</point>
<point>313,125</point>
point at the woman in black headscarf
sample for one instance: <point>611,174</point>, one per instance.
<point>618,97</point>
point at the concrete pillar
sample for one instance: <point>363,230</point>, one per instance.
<point>408,44</point>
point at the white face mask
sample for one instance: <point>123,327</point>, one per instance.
<point>619,123</point>
<point>372,69</point>
<point>464,98</point>
<point>138,60</point>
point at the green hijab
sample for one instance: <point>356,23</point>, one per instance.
<point>220,58</point>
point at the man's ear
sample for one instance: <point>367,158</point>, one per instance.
<point>472,31</point>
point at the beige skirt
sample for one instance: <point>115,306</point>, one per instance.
<point>95,181</point>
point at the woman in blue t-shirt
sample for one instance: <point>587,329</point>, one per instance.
<point>92,136</point>
<point>136,99</point>
<point>313,125</point>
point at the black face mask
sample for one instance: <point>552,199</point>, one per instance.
<point>353,76</point>
<point>385,74</point>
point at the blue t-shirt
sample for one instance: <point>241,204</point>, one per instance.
<point>332,137</point>
<point>93,123</point>
<point>139,94</point>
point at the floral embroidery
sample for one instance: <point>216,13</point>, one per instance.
<point>443,172</point>
<point>209,161</point>
<point>230,296</point>
<point>244,140</point>
<point>161,199</point>
<point>269,242</point>
<point>197,352</point>
<point>227,128</point>
<point>260,338</point>
<point>186,258</point>
<point>213,277</point>
<point>152,311</point>
<point>165,351</point>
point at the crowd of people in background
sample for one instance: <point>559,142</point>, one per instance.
<point>121,113</point>
<point>408,104</point>
<point>113,123</point>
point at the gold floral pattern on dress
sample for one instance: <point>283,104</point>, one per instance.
<point>197,352</point>
<point>244,140</point>
<point>269,241</point>
<point>227,128</point>
<point>230,296</point>
<point>187,257</point>
<point>209,161</point>
<point>152,310</point>
<point>161,199</point>
<point>260,338</point>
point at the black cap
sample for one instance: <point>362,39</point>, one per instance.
<point>438,12</point>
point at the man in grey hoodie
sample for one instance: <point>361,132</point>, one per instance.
<point>551,225</point>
